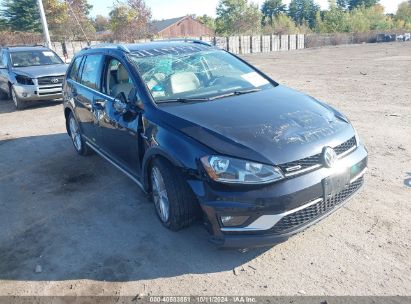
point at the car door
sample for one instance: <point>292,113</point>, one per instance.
<point>4,71</point>
<point>85,92</point>
<point>120,130</point>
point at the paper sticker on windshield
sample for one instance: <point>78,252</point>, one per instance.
<point>255,79</point>
<point>48,54</point>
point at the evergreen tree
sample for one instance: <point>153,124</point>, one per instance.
<point>271,9</point>
<point>303,11</point>
<point>343,4</point>
<point>367,3</point>
<point>21,15</point>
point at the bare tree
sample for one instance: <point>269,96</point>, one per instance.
<point>129,20</point>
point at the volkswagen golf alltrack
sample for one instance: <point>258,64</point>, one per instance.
<point>212,138</point>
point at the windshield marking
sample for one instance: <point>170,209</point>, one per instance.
<point>177,50</point>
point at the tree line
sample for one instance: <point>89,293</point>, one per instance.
<point>129,20</point>
<point>305,16</point>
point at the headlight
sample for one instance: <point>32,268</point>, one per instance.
<point>236,171</point>
<point>24,80</point>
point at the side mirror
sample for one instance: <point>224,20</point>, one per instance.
<point>120,103</point>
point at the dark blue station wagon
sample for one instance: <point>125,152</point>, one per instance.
<point>211,138</point>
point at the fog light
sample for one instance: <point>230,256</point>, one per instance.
<point>231,221</point>
<point>24,94</point>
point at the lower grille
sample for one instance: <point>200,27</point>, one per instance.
<point>50,90</point>
<point>312,212</point>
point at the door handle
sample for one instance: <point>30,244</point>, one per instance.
<point>144,136</point>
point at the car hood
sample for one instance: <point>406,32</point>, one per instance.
<point>41,71</point>
<point>273,126</point>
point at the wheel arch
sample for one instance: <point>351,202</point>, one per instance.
<point>149,156</point>
<point>67,112</point>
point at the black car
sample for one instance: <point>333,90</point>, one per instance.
<point>31,73</point>
<point>210,137</point>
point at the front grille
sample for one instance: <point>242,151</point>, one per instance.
<point>50,80</point>
<point>344,147</point>
<point>315,161</point>
<point>302,217</point>
<point>302,164</point>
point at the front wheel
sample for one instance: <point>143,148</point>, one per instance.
<point>76,138</point>
<point>175,204</point>
<point>18,103</point>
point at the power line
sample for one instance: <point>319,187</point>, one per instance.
<point>78,22</point>
<point>44,23</point>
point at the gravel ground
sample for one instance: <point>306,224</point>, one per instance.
<point>76,226</point>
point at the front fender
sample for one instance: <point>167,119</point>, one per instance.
<point>179,149</point>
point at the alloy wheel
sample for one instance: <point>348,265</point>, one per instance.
<point>160,196</point>
<point>75,133</point>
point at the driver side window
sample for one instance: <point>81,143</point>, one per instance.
<point>118,80</point>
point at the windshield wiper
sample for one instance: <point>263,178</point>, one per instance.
<point>182,100</point>
<point>188,99</point>
<point>235,93</point>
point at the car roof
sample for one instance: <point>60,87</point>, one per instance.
<point>159,45</point>
<point>13,49</point>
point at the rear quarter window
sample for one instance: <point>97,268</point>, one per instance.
<point>74,69</point>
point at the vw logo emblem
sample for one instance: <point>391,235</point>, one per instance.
<point>329,157</point>
<point>54,80</point>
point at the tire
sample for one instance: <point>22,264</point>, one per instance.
<point>182,208</point>
<point>4,95</point>
<point>76,137</point>
<point>18,103</point>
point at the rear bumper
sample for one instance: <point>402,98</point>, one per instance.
<point>36,92</point>
<point>279,210</point>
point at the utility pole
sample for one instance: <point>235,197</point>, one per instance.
<point>44,24</point>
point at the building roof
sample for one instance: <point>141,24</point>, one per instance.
<point>158,26</point>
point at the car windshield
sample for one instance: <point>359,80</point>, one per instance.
<point>192,73</point>
<point>34,58</point>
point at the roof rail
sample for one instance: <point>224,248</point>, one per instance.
<point>185,40</point>
<point>108,45</point>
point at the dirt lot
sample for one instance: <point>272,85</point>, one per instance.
<point>94,233</point>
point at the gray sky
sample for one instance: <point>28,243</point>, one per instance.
<point>163,9</point>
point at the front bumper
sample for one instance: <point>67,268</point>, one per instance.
<point>38,92</point>
<point>279,210</point>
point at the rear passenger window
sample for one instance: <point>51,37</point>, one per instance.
<point>91,74</point>
<point>74,69</point>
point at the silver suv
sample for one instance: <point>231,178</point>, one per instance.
<point>31,73</point>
